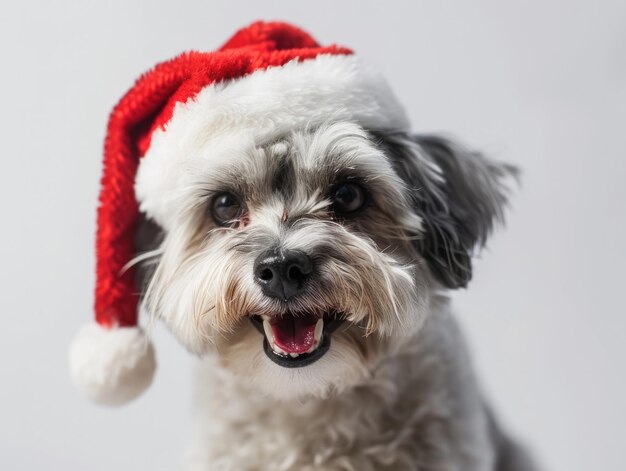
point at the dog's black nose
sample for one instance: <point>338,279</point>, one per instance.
<point>282,274</point>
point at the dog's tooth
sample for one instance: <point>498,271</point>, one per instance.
<point>293,355</point>
<point>319,328</point>
<point>268,331</point>
<point>278,350</point>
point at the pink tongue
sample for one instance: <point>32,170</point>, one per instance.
<point>294,334</point>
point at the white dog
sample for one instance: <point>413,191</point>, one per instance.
<point>292,232</point>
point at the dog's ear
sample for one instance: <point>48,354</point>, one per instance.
<point>148,239</point>
<point>459,195</point>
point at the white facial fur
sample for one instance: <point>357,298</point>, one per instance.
<point>203,286</point>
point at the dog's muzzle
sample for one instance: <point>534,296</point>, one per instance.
<point>294,340</point>
<point>291,339</point>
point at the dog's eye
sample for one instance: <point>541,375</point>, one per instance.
<point>225,209</point>
<point>349,197</point>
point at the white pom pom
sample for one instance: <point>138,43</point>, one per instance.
<point>111,366</point>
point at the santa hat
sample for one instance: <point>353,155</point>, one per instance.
<point>266,80</point>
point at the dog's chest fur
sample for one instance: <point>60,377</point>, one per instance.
<point>420,410</point>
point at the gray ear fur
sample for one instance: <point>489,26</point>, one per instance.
<point>459,194</point>
<point>148,237</point>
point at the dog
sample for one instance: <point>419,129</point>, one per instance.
<point>308,269</point>
<point>313,283</point>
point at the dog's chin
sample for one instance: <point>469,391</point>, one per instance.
<point>337,358</point>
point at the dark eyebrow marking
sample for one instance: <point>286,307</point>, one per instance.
<point>284,178</point>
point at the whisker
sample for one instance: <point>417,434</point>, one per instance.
<point>140,258</point>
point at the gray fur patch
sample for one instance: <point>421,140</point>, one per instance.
<point>460,194</point>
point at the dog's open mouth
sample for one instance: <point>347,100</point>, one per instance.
<point>294,340</point>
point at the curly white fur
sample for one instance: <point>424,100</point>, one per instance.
<point>418,408</point>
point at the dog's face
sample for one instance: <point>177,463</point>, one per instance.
<point>303,261</point>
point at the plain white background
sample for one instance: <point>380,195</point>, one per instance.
<point>540,84</point>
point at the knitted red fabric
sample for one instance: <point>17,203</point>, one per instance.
<point>149,105</point>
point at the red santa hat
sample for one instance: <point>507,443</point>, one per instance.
<point>266,80</point>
